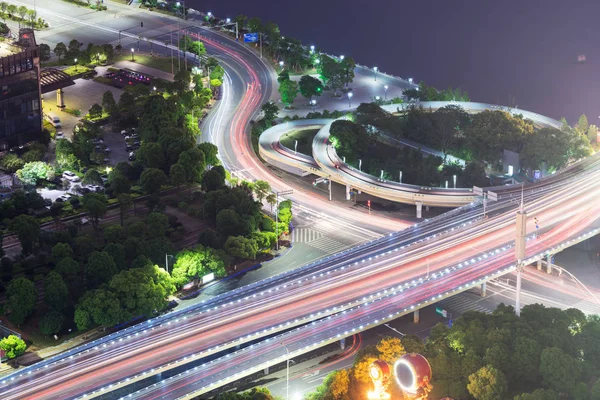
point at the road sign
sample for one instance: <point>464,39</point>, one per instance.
<point>537,174</point>
<point>477,191</point>
<point>441,311</point>
<point>250,37</point>
<point>493,196</point>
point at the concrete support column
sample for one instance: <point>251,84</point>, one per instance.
<point>419,209</point>
<point>539,265</point>
<point>60,101</point>
<point>426,208</point>
<point>348,189</point>
<point>343,343</point>
<point>549,264</point>
<point>416,317</point>
<point>483,290</point>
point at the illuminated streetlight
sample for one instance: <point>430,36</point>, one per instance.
<point>375,69</point>
<point>209,14</point>
<point>281,65</point>
<point>386,88</point>
<point>98,59</point>
<point>377,98</point>
<point>342,57</point>
<point>313,103</point>
<point>154,88</point>
<point>317,61</point>
<point>132,50</point>
<point>350,99</point>
<point>75,65</point>
<point>312,49</point>
<point>410,80</point>
<point>454,179</point>
<point>228,20</point>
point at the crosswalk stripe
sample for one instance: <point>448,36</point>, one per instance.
<point>461,305</point>
<point>327,245</point>
<point>305,235</point>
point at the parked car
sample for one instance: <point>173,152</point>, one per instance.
<point>95,188</point>
<point>132,136</point>
<point>81,190</point>
<point>70,176</point>
<point>132,156</point>
<point>98,141</point>
<point>107,149</point>
<point>132,147</point>
<point>59,135</point>
<point>124,132</point>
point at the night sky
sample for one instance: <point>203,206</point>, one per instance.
<point>521,53</point>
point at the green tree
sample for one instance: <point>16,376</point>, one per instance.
<point>92,177</point>
<point>12,162</point>
<point>100,268</point>
<point>283,76</point>
<point>95,111</point>
<point>55,291</point>
<point>75,46</point>
<point>44,52</point>
<point>33,172</point>
<point>13,346</point>
<point>27,229</point>
<point>126,102</point>
<point>539,394</point>
<point>100,306</point>
<point>151,155</point>
<point>118,183</point>
<point>96,205</point>
<point>210,152</point>
<point>20,299</point>
<point>152,287</point>
<point>391,349</point>
<point>347,136</point>
<point>60,50</point>
<point>347,70</point>
<point>68,268</point>
<point>212,180</point>
<point>193,264</point>
<point>12,10</point>
<point>595,392</point>
<point>51,323</point>
<point>525,360</point>
<point>310,86</point>
<point>270,112</point>
<point>239,246</point>
<point>22,11</point>
<point>582,125</point>
<point>592,133</point>
<point>125,203</point>
<point>288,91</point>
<point>109,105</point>
<point>255,25</point>
<point>4,7</point>
<point>60,251</point>
<point>487,383</point>
<point>559,370</point>
<point>152,179</point>
<point>261,189</point>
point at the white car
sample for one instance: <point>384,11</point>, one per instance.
<point>94,188</point>
<point>70,176</point>
<point>59,135</point>
<point>107,149</point>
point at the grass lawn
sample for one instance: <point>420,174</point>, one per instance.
<point>158,62</point>
<point>76,70</point>
<point>304,138</point>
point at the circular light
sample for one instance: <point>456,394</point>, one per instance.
<point>375,372</point>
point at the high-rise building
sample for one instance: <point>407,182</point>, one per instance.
<point>20,92</point>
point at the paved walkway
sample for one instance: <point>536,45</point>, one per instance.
<point>143,69</point>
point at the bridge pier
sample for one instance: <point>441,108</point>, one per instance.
<point>426,208</point>
<point>416,317</point>
<point>539,265</point>
<point>419,209</point>
<point>549,264</point>
<point>483,289</point>
<point>348,189</point>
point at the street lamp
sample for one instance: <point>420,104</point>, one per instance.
<point>359,164</point>
<point>281,65</point>
<point>342,57</point>
<point>154,88</point>
<point>385,88</point>
<point>377,98</point>
<point>132,50</point>
<point>312,49</point>
<point>209,14</point>
<point>228,20</point>
<point>350,99</point>
<point>98,59</point>
<point>313,103</point>
<point>410,80</point>
<point>375,69</point>
<point>75,64</point>
<point>317,61</point>
<point>454,179</point>
<point>167,261</point>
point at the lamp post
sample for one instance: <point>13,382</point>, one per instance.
<point>75,64</point>
<point>359,164</point>
<point>98,59</point>
<point>132,50</point>
<point>385,88</point>
<point>454,179</point>
<point>312,49</point>
<point>281,65</point>
<point>350,99</point>
<point>313,103</point>
<point>410,80</point>
<point>342,57</point>
<point>375,69</point>
<point>167,261</point>
<point>287,379</point>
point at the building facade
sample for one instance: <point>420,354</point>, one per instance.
<point>20,93</point>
